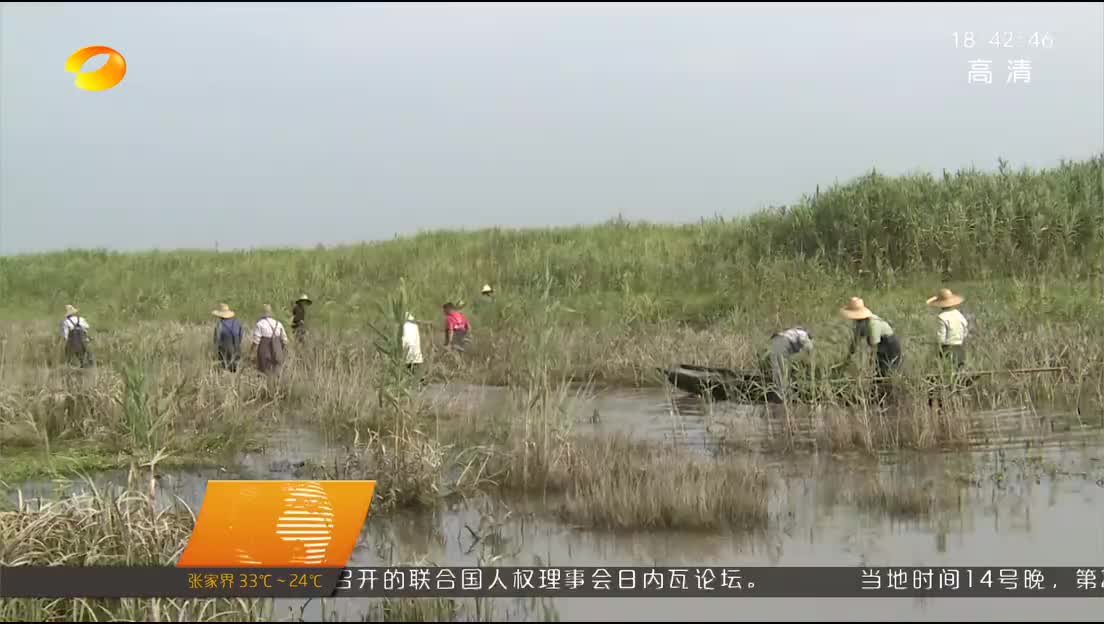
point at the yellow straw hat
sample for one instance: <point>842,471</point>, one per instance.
<point>223,311</point>
<point>304,298</point>
<point>266,310</point>
<point>945,299</point>
<point>856,310</point>
<point>487,289</point>
<point>70,310</point>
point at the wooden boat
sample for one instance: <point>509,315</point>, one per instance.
<point>721,384</point>
<point>749,386</point>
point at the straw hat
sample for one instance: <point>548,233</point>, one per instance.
<point>266,310</point>
<point>487,289</point>
<point>304,298</point>
<point>945,299</point>
<point>410,317</point>
<point>223,311</point>
<point>70,310</point>
<point>856,310</point>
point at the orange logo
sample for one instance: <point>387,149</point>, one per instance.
<point>103,78</point>
<point>280,524</point>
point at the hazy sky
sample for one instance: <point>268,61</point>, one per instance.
<point>283,124</point>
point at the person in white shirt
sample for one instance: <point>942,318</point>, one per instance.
<point>269,339</point>
<point>783,346</point>
<point>412,343</point>
<point>952,328</point>
<point>74,333</point>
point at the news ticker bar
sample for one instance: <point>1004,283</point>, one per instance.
<point>562,582</point>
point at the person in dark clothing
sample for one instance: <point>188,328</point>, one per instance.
<point>299,317</point>
<point>228,337</point>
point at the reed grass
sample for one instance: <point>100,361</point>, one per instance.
<point>600,305</point>
<point>1054,323</point>
<point>871,234</point>
<point>874,230</point>
<point>107,528</point>
<point>618,484</point>
<point>908,501</point>
<point>964,224</point>
<point>526,446</point>
<point>186,408</point>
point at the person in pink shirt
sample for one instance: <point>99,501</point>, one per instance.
<point>456,327</point>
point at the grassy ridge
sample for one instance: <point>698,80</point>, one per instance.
<point>874,231</point>
<point>970,225</point>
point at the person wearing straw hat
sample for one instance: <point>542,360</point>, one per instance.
<point>876,333</point>
<point>412,344</point>
<point>299,316</point>
<point>228,337</point>
<point>74,332</point>
<point>485,309</point>
<point>269,340</point>
<point>952,329</point>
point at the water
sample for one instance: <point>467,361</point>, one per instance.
<point>1007,504</point>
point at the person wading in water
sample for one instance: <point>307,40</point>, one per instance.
<point>269,340</point>
<point>74,332</point>
<point>299,317</point>
<point>228,338</point>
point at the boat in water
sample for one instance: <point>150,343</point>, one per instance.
<point>722,384</point>
<point>755,387</point>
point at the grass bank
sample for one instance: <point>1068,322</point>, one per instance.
<point>871,233</point>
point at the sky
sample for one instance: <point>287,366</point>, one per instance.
<point>257,125</point>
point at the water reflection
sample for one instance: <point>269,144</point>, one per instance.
<point>657,414</point>
<point>1025,517</point>
<point>1000,505</point>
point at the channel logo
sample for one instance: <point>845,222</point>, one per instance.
<point>101,79</point>
<point>283,524</point>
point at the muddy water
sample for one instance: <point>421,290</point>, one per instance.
<point>659,414</point>
<point>1005,505</point>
